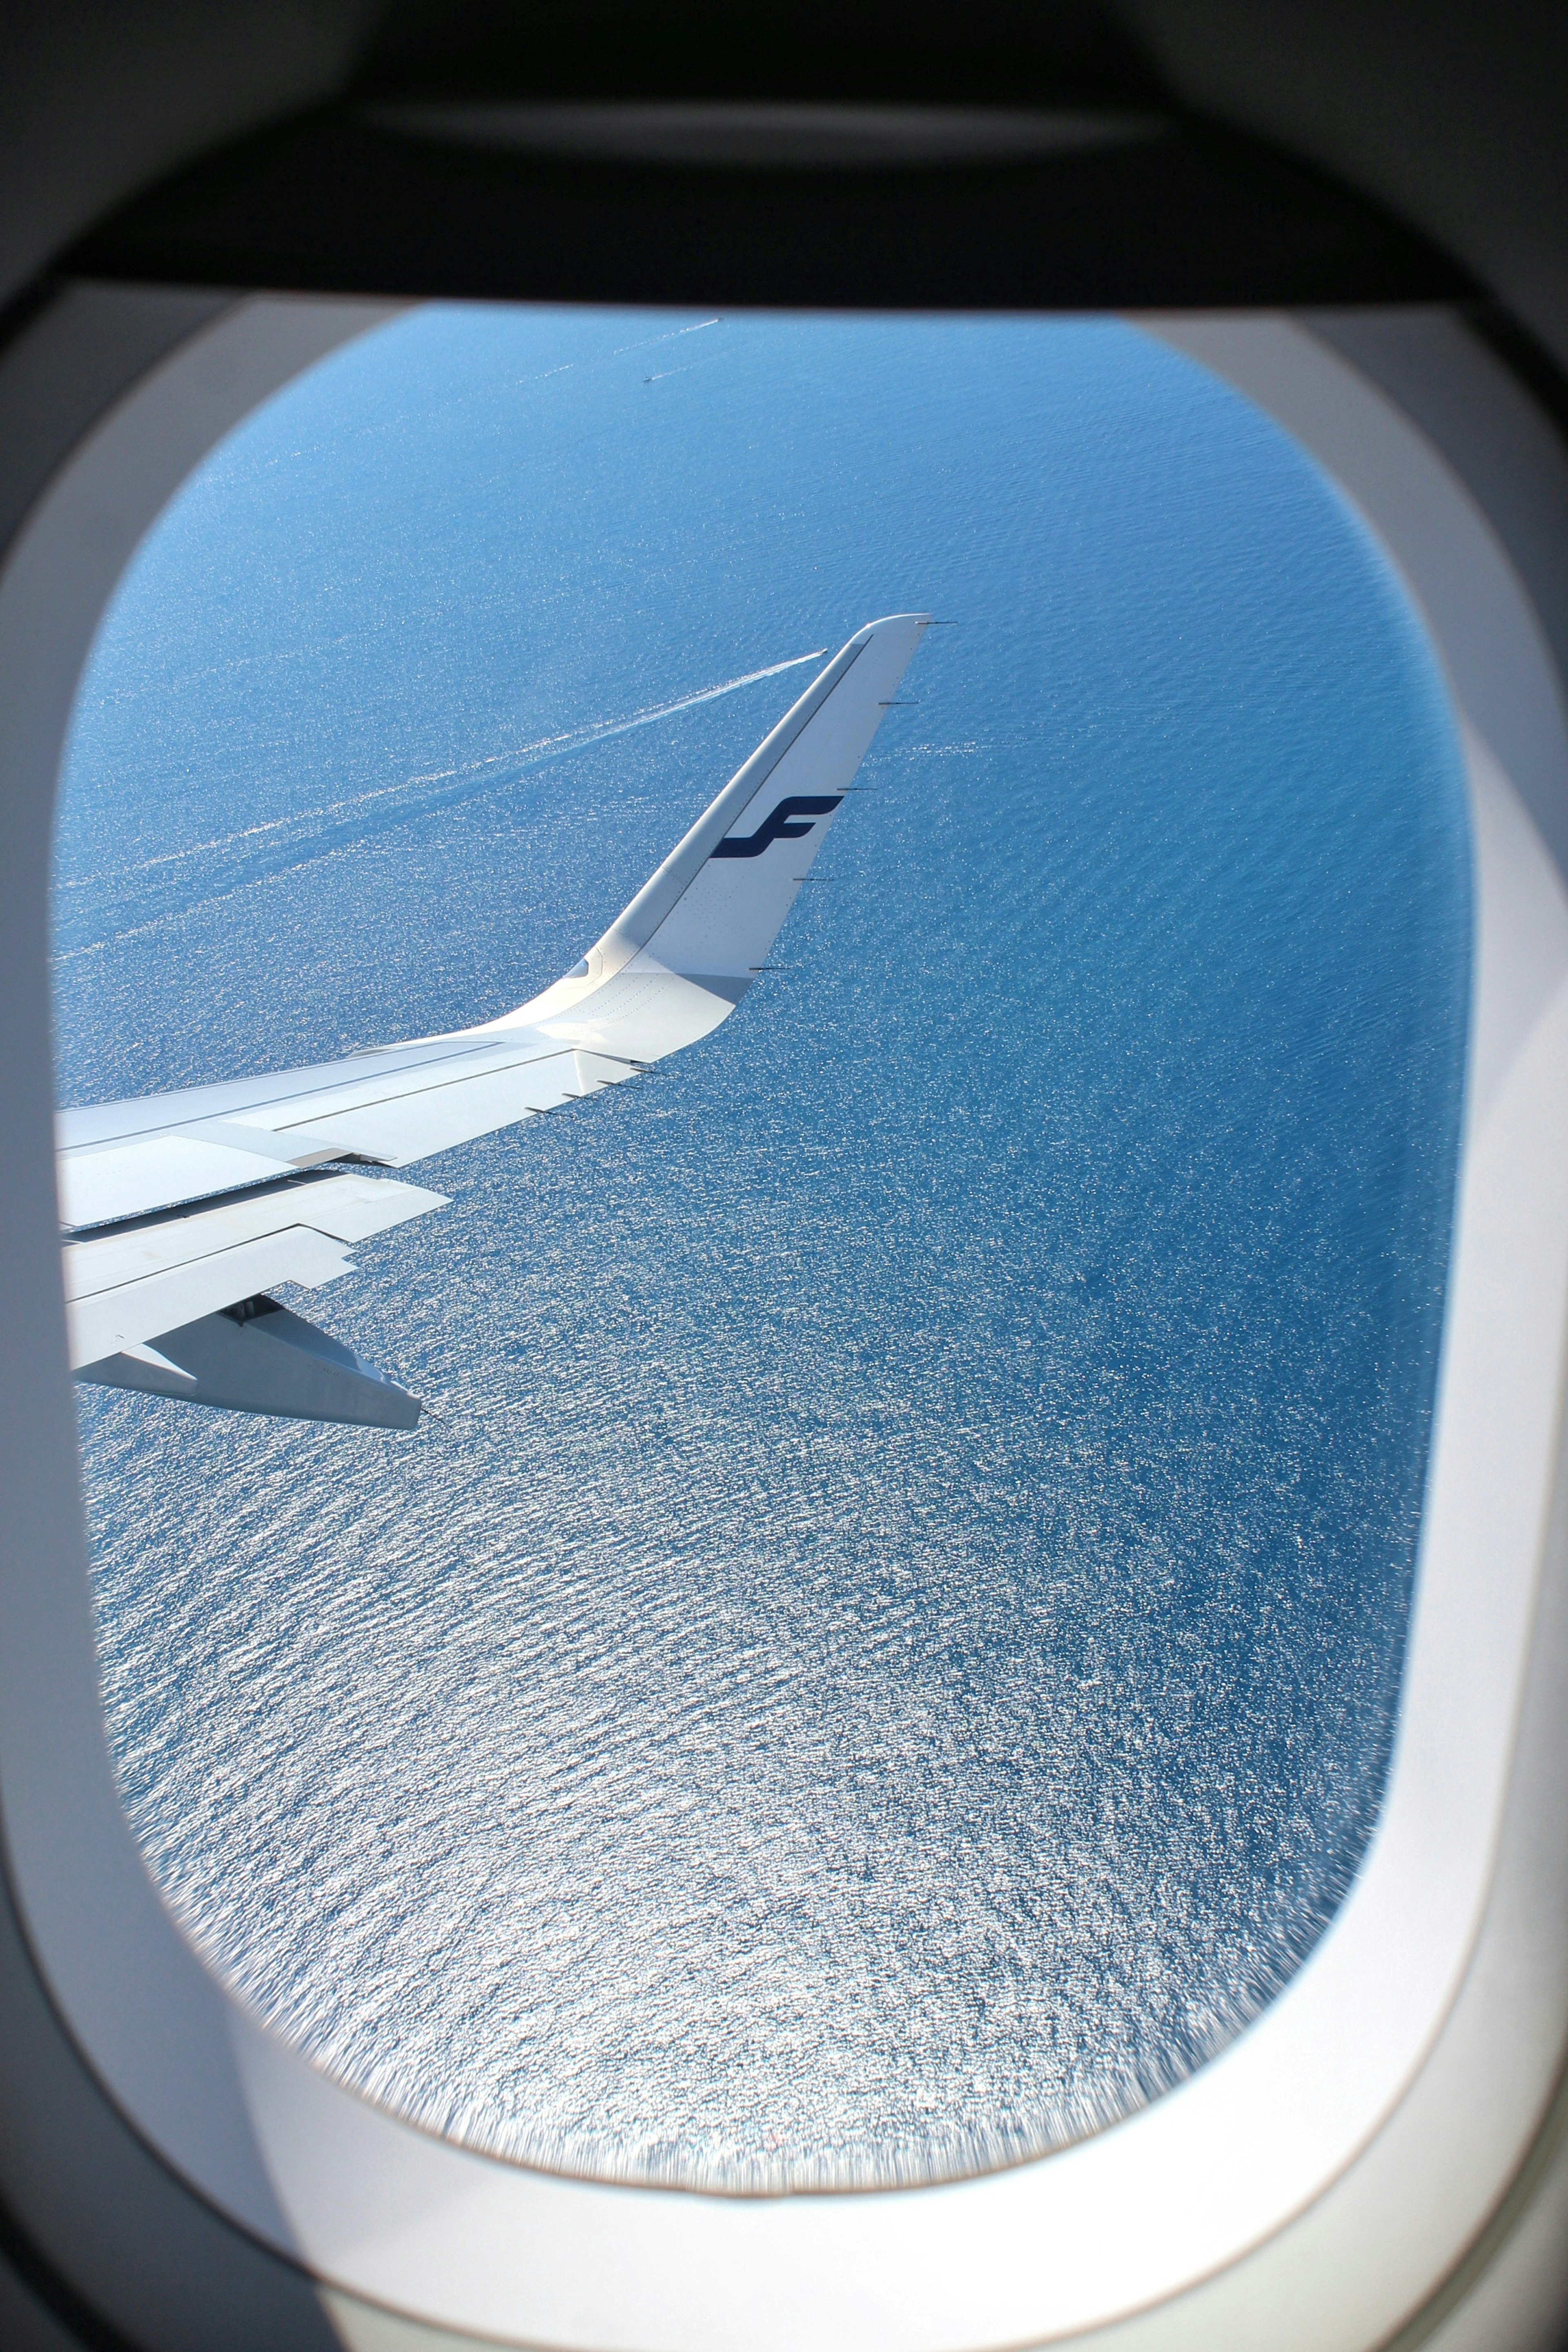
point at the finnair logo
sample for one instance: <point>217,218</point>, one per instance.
<point>779,827</point>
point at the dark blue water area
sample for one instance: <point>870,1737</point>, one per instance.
<point>883,1656</point>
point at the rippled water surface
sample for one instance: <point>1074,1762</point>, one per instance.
<point>883,1654</point>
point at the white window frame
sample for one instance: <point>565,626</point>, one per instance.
<point>1331,2165</point>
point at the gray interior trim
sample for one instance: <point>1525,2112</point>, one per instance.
<point>1438,370</point>
<point>104,2216</point>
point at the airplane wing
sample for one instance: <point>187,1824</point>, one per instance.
<point>182,1211</point>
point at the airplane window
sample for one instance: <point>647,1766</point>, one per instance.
<point>880,1652</point>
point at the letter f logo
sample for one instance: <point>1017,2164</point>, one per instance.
<point>778,828</point>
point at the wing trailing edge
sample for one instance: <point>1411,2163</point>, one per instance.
<point>128,1285</point>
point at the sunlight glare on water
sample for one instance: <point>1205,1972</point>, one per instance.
<point>883,1654</point>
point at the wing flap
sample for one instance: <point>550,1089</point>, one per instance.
<point>126,1179</point>
<point>125,1288</point>
<point>107,1321</point>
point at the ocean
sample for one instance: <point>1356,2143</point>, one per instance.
<point>883,1654</point>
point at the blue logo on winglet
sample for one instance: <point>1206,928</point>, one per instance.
<point>778,826</point>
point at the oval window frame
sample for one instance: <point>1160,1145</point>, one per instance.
<point>1384,2036</point>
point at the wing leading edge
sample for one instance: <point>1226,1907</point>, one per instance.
<point>181,1211</point>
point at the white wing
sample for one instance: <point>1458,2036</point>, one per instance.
<point>182,1209</point>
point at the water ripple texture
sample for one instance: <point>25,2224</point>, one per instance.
<point>883,1656</point>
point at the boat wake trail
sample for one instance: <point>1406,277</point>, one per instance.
<point>216,868</point>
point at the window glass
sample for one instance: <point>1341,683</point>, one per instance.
<point>883,1652</point>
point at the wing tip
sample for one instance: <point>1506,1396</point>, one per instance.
<point>891,621</point>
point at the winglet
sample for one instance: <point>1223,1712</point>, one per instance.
<point>712,910</point>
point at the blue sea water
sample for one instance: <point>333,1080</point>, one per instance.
<point>883,1656</point>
